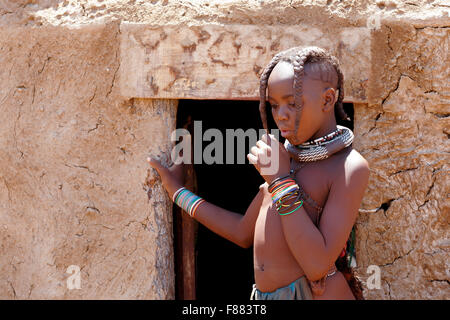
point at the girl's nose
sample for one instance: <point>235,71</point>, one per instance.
<point>283,112</point>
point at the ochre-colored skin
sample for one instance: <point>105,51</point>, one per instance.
<point>287,247</point>
<point>274,264</point>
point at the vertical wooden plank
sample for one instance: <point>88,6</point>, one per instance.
<point>186,229</point>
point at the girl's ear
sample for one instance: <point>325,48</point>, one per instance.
<point>330,97</point>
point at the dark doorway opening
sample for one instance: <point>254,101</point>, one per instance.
<point>222,268</point>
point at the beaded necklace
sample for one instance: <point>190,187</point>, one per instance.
<point>325,138</point>
<point>323,147</point>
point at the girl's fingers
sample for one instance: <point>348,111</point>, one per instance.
<point>252,159</point>
<point>254,150</point>
<point>268,139</point>
<point>261,144</point>
<point>264,138</point>
<point>152,162</point>
<point>155,164</point>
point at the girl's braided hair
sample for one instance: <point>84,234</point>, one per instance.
<point>299,57</point>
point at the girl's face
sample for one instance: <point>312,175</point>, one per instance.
<point>281,99</point>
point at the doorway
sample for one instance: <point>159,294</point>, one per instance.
<point>223,270</point>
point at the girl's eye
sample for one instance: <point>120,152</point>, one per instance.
<point>274,106</point>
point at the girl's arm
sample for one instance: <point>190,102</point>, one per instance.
<point>232,226</point>
<point>317,249</point>
<point>235,227</point>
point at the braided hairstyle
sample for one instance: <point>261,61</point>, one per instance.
<point>328,67</point>
<point>299,57</point>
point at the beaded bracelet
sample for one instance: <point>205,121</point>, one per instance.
<point>285,198</point>
<point>290,210</point>
<point>283,190</point>
<point>282,184</point>
<point>286,211</point>
<point>282,207</point>
<point>276,180</point>
<point>176,193</point>
<point>187,200</point>
<point>285,214</point>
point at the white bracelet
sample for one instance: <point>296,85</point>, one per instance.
<point>176,193</point>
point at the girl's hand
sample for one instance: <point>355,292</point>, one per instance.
<point>172,178</point>
<point>270,158</point>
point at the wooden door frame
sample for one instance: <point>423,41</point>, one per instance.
<point>185,230</point>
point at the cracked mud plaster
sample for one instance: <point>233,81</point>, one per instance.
<point>405,211</point>
<point>67,191</point>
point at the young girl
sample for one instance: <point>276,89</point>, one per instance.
<point>300,221</point>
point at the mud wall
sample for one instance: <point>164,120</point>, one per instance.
<point>74,178</point>
<point>404,134</point>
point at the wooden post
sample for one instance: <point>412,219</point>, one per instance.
<point>186,230</point>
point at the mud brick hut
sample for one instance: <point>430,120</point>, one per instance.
<point>89,88</point>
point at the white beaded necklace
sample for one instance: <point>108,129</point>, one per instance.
<point>323,147</point>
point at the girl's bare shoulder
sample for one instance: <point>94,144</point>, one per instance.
<point>355,160</point>
<point>345,163</point>
<point>350,159</point>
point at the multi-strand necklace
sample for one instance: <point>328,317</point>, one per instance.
<point>323,147</point>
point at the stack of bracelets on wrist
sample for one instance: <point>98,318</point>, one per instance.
<point>282,190</point>
<point>187,200</point>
